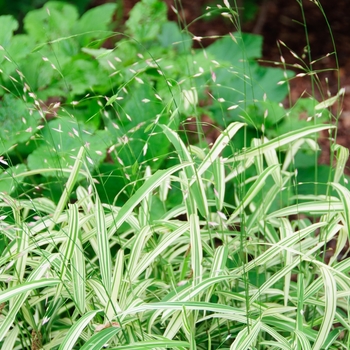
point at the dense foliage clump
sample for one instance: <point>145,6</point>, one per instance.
<point>157,195</point>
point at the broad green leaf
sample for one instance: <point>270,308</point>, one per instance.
<point>140,115</point>
<point>12,178</point>
<point>63,138</point>
<point>17,124</point>
<point>7,26</point>
<point>145,19</point>
<point>303,107</point>
<point>94,23</point>
<point>172,38</point>
<point>52,21</point>
<point>247,46</point>
<point>263,115</point>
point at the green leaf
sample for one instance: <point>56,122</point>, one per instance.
<point>227,49</point>
<point>171,37</point>
<point>7,26</point>
<point>329,102</point>
<point>146,19</point>
<point>266,113</point>
<point>80,76</point>
<point>330,305</point>
<point>301,114</point>
<point>54,20</point>
<point>103,252</point>
<point>17,125</point>
<point>280,141</point>
<point>63,138</point>
<point>139,111</point>
<point>93,23</point>
<point>11,178</point>
<point>196,186</point>
<point>246,337</point>
<point>149,185</point>
<point>27,287</point>
<point>70,246</point>
<point>98,340</point>
<point>76,330</point>
<point>173,344</point>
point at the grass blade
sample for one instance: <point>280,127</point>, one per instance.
<point>78,276</point>
<point>98,340</point>
<point>279,141</point>
<point>252,192</point>
<point>330,304</point>
<point>113,307</point>
<point>196,186</point>
<point>70,245</point>
<point>73,177</point>
<point>246,337</point>
<point>196,249</point>
<point>104,253</point>
<point>220,143</point>
<point>75,331</point>
<point>173,344</point>
<point>344,195</point>
<point>149,185</point>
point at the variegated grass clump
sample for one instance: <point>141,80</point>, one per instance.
<point>225,276</point>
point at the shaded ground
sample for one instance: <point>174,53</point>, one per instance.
<point>283,20</point>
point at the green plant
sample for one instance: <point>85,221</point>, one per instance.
<point>82,91</point>
<point>123,227</point>
<point>162,282</point>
